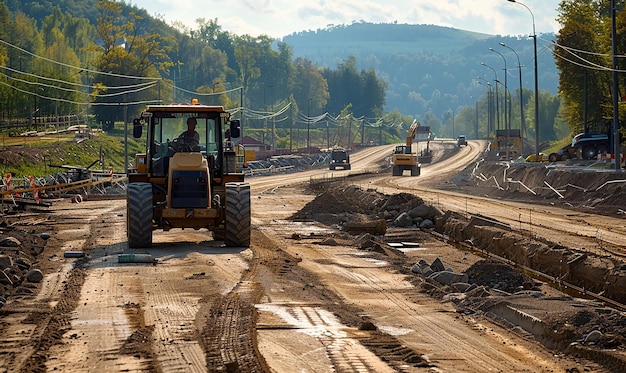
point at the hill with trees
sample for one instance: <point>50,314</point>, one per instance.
<point>434,72</point>
<point>363,75</point>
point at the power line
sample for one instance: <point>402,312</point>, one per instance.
<point>46,78</point>
<point>552,42</point>
<point>140,85</point>
<point>82,102</point>
<point>587,64</point>
<point>78,67</point>
<point>167,83</point>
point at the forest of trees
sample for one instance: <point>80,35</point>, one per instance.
<point>67,64</point>
<point>109,59</point>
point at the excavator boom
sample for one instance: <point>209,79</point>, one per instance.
<point>410,135</point>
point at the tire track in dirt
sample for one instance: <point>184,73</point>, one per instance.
<point>228,335</point>
<point>50,312</point>
<point>420,324</point>
<point>142,317</point>
<point>344,348</point>
<point>316,310</point>
<point>411,324</point>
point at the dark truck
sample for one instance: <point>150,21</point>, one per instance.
<point>585,145</point>
<point>339,158</point>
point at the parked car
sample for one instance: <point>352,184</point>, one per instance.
<point>585,145</point>
<point>589,144</point>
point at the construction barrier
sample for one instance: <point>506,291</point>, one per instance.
<point>35,191</point>
<point>30,188</point>
<point>606,156</point>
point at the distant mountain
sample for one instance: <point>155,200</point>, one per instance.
<point>429,68</point>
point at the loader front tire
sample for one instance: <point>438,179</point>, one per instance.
<point>237,223</point>
<point>139,215</point>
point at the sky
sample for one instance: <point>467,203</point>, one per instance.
<point>278,18</point>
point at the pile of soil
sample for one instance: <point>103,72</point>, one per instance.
<point>16,156</point>
<point>20,256</point>
<point>334,204</point>
<point>498,276</point>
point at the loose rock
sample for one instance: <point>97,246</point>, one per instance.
<point>34,275</point>
<point>10,242</point>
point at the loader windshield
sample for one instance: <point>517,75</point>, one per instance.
<point>167,130</point>
<point>172,133</point>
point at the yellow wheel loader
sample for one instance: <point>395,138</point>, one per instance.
<point>187,182</point>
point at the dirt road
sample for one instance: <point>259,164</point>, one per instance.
<point>301,298</point>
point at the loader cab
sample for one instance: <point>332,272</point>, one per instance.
<point>402,149</point>
<point>163,128</point>
<point>164,133</point>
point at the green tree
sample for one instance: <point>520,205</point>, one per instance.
<point>430,119</point>
<point>464,122</point>
<point>5,90</point>
<point>21,98</point>
<point>311,92</point>
<point>372,90</point>
<point>245,54</point>
<point>363,89</point>
<point>129,55</point>
<point>578,57</point>
<point>548,110</point>
<point>63,86</point>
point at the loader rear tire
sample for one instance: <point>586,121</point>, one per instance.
<point>238,220</point>
<point>139,215</point>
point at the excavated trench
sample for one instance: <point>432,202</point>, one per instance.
<point>563,322</point>
<point>559,264</point>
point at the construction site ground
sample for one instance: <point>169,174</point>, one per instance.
<point>310,295</point>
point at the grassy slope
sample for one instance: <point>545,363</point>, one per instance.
<point>33,156</point>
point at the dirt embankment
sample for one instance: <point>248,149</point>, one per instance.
<point>598,274</point>
<point>595,188</point>
<point>493,287</point>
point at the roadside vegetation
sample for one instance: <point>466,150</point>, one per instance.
<point>43,156</point>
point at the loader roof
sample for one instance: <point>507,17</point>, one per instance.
<point>185,108</point>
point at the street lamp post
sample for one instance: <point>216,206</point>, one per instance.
<point>506,124</point>
<point>489,106</point>
<point>507,119</point>
<point>534,36</point>
<point>451,113</point>
<point>616,124</point>
<point>521,96</point>
<point>265,108</point>
<point>497,96</point>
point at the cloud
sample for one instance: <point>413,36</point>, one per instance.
<point>278,18</point>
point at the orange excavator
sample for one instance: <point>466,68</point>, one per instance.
<point>403,156</point>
